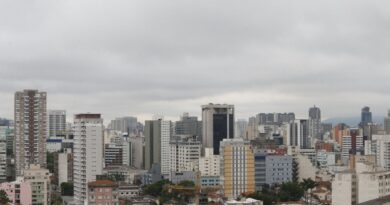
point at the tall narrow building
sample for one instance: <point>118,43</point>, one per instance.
<point>188,125</point>
<point>157,138</point>
<point>56,121</point>
<point>237,170</point>
<point>218,124</point>
<point>30,129</point>
<point>88,153</point>
<point>366,116</point>
<point>315,122</point>
<point>386,123</point>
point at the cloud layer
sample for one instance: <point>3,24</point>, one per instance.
<point>145,57</point>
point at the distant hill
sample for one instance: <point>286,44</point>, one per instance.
<point>352,121</point>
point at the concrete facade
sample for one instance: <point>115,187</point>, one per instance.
<point>237,167</point>
<point>30,129</point>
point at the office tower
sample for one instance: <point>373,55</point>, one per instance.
<point>124,124</point>
<point>88,153</point>
<point>326,129</point>
<point>386,123</point>
<point>339,131</point>
<point>272,169</point>
<point>237,167</point>
<point>217,124</point>
<point>3,160</point>
<point>252,130</point>
<point>298,134</point>
<point>30,129</point>
<point>137,149</point>
<point>157,138</point>
<point>103,192</point>
<point>275,118</point>
<point>241,127</point>
<point>39,179</point>
<point>351,145</point>
<point>113,155</point>
<point>366,116</point>
<point>184,153</point>
<point>56,121</point>
<point>315,123</point>
<point>188,125</point>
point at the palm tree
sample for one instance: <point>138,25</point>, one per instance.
<point>308,184</point>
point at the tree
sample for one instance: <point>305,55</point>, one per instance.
<point>290,191</point>
<point>67,189</point>
<point>156,188</point>
<point>307,185</point>
<point>50,161</point>
<point>187,183</point>
<point>4,197</point>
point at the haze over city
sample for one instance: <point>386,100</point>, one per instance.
<point>142,58</point>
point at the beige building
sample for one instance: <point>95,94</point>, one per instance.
<point>209,165</point>
<point>103,192</point>
<point>30,129</point>
<point>366,182</point>
<point>237,167</point>
<point>39,179</point>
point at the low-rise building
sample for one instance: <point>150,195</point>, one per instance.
<point>39,179</point>
<point>247,201</point>
<point>103,192</point>
<point>18,192</point>
<point>127,191</point>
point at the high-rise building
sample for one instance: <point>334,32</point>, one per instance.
<point>157,138</point>
<point>380,147</point>
<point>237,173</point>
<point>339,131</point>
<point>366,116</point>
<point>88,153</point>
<point>30,129</point>
<point>124,124</point>
<point>56,121</point>
<point>184,153</point>
<point>218,124</point>
<point>252,129</point>
<point>241,127</point>
<point>275,118</point>
<point>351,145</point>
<point>3,160</point>
<point>188,125</point>
<point>113,155</point>
<point>386,123</point>
<point>315,122</point>
<point>136,151</point>
<point>298,134</point>
<point>64,168</point>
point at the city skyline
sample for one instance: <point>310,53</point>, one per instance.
<point>143,57</point>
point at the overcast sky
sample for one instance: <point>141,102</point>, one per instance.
<point>144,57</point>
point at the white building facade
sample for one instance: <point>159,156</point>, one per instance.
<point>184,154</point>
<point>88,153</point>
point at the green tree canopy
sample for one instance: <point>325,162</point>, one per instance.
<point>4,197</point>
<point>67,189</point>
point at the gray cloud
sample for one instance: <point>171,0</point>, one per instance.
<point>167,57</point>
